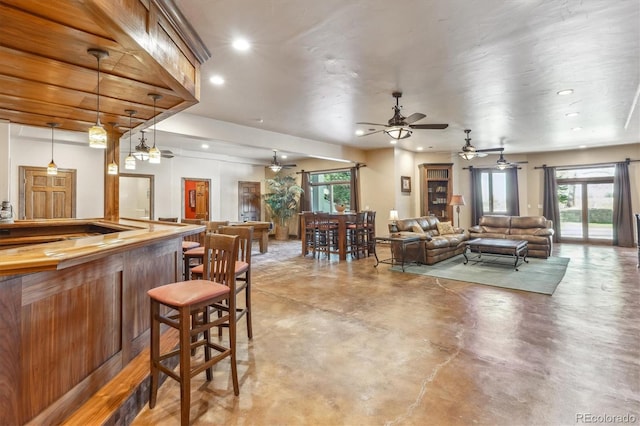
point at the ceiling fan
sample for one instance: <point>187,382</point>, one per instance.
<point>142,149</point>
<point>276,166</point>
<point>401,127</point>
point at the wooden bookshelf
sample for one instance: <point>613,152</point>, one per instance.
<point>436,189</point>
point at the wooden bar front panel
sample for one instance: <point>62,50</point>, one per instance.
<point>67,332</point>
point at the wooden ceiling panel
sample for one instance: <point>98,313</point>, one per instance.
<point>46,73</point>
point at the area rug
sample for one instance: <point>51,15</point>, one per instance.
<point>538,276</point>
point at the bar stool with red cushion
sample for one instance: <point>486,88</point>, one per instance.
<point>193,301</point>
<point>194,255</point>
<point>243,271</point>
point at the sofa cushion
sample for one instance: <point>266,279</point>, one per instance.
<point>406,224</point>
<point>524,222</point>
<point>417,229</point>
<point>445,228</point>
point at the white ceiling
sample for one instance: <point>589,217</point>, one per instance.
<point>316,67</point>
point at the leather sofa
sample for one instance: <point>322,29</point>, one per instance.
<point>434,246</point>
<point>536,230</point>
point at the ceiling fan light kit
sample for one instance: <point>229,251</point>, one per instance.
<point>399,126</point>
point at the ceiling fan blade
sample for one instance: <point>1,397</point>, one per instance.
<point>165,153</point>
<point>372,124</point>
<point>414,117</point>
<point>371,133</point>
<point>429,126</point>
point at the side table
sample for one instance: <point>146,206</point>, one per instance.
<point>403,241</point>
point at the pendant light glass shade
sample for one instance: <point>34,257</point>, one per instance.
<point>399,132</point>
<point>112,167</point>
<point>130,161</point>
<point>97,133</point>
<point>155,155</point>
<point>52,169</point>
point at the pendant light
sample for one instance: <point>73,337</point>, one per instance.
<point>130,161</point>
<point>154,153</point>
<point>112,168</point>
<point>141,151</point>
<point>97,134</point>
<point>52,169</point>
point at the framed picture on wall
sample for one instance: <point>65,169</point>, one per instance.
<point>405,183</point>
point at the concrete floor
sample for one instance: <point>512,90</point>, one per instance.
<point>344,343</point>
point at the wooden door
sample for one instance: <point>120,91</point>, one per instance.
<point>47,197</point>
<point>202,200</point>
<point>249,201</point>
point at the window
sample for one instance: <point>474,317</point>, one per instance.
<point>329,189</point>
<point>494,192</point>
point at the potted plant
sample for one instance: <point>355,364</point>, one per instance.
<point>282,202</point>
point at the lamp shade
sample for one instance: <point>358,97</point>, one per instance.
<point>399,132</point>
<point>457,200</point>
<point>393,215</point>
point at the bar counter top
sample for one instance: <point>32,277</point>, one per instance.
<point>69,247</point>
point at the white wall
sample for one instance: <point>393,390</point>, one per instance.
<point>86,161</point>
<point>223,192</point>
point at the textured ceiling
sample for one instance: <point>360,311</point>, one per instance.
<point>316,68</point>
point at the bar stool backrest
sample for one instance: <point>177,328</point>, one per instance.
<point>220,255</point>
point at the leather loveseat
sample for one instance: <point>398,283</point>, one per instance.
<point>536,230</point>
<point>434,246</point>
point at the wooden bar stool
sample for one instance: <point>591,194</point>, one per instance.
<point>193,301</point>
<point>243,271</point>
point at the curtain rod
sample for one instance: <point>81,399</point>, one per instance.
<point>586,166</point>
<point>332,170</point>
<point>489,168</point>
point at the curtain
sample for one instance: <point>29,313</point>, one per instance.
<point>622,216</point>
<point>513,198</point>
<point>305,197</point>
<point>355,189</point>
<point>476,195</point>
<point>550,205</point>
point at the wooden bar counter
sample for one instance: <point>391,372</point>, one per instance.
<point>74,312</point>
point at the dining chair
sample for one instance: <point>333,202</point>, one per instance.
<point>371,232</point>
<point>357,235</point>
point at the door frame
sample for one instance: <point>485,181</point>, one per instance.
<point>151,179</point>
<point>183,194</point>
<point>585,182</point>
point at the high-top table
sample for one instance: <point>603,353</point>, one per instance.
<point>341,220</point>
<point>260,232</point>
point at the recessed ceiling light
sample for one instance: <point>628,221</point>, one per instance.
<point>217,80</point>
<point>572,114</point>
<point>359,132</point>
<point>205,146</point>
<point>393,141</point>
<point>582,146</point>
<point>565,92</point>
<point>241,44</point>
<point>283,156</point>
<point>419,148</point>
<point>577,129</point>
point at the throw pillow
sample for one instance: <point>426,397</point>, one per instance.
<point>418,229</point>
<point>445,228</point>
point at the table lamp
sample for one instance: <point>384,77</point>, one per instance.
<point>457,200</point>
<point>393,217</point>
